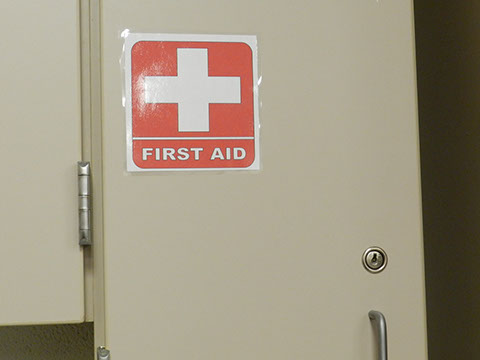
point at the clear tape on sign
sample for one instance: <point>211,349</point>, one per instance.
<point>191,102</point>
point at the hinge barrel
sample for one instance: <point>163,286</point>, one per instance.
<point>84,208</point>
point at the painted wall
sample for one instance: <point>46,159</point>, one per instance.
<point>448,62</point>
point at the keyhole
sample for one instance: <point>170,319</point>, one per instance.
<point>374,259</point>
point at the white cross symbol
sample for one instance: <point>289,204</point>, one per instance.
<point>192,89</point>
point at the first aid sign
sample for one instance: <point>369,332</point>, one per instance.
<point>191,102</point>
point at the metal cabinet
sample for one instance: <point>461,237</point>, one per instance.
<point>264,264</point>
<point>41,270</point>
<point>268,265</point>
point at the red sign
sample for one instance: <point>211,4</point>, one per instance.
<point>191,102</point>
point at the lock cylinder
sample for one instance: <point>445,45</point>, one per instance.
<point>374,259</point>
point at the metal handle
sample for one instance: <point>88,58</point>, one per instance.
<point>381,326</point>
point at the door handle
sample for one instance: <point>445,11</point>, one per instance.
<point>380,324</point>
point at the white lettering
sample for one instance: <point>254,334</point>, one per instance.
<point>217,154</point>
<point>146,152</point>
<point>197,152</point>
<point>168,152</point>
<point>183,154</point>
<point>172,153</point>
<point>239,153</point>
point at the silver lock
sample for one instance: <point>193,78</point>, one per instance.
<point>374,259</point>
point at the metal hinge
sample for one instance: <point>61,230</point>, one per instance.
<point>84,209</point>
<point>102,353</point>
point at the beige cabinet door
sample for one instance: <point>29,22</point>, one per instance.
<point>268,265</point>
<point>41,269</point>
